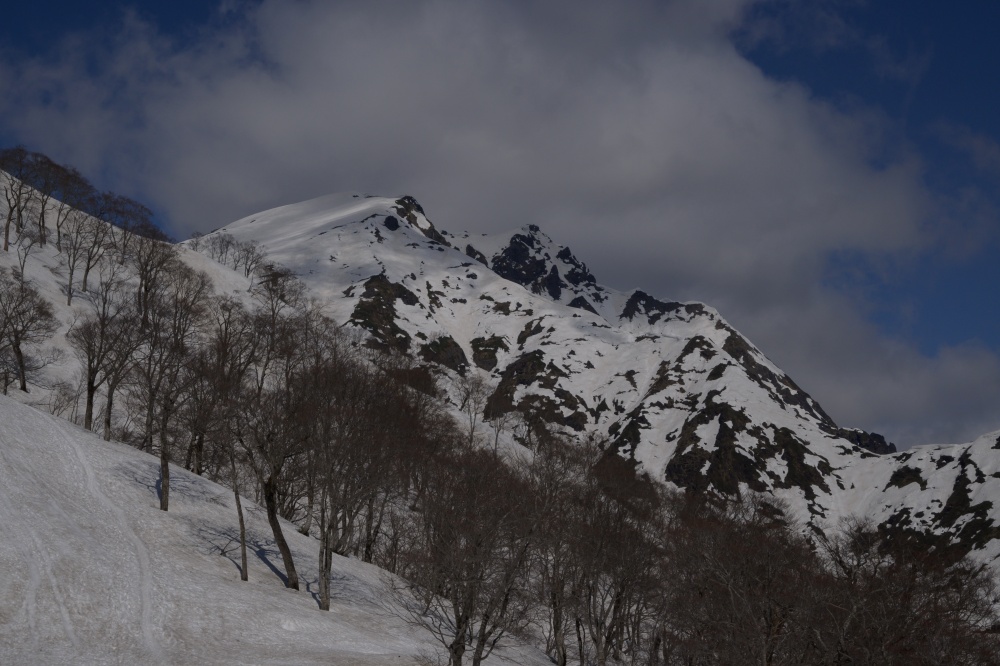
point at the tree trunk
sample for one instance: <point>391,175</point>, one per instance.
<point>164,471</point>
<point>481,638</point>
<point>88,414</point>
<point>147,435</point>
<point>194,453</point>
<point>310,495</point>
<point>244,574</point>
<point>21,374</point>
<point>271,504</point>
<point>199,454</point>
<point>558,630</point>
<point>107,412</point>
<point>457,649</point>
<point>579,640</point>
<point>325,558</point>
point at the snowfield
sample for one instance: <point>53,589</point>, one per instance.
<point>94,573</point>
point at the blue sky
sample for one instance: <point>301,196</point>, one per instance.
<point>932,69</point>
<point>826,174</point>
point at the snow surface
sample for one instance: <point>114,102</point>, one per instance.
<point>92,572</point>
<point>620,371</point>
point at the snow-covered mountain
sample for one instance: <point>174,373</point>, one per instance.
<point>671,387</point>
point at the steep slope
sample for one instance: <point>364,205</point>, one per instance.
<point>95,573</point>
<point>946,494</point>
<point>671,386</point>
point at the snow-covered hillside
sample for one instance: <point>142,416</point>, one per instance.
<point>92,572</point>
<point>670,386</point>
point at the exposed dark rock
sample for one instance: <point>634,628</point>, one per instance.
<point>977,528</point>
<point>433,297</point>
<point>517,264</point>
<point>391,223</point>
<point>800,474</point>
<point>642,303</point>
<point>376,312</point>
<point>904,476</point>
<point>484,351</point>
<point>553,284</point>
<point>445,351</point>
<point>503,308</point>
<point>717,372</point>
<point>406,207</point>
<point>578,275</point>
<point>523,371</point>
<point>530,369</point>
<point>870,441</point>
<point>533,327</point>
<point>944,461</point>
<point>582,303</point>
<point>700,344</point>
<point>476,254</point>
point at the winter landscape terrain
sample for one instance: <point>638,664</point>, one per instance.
<point>520,337</point>
<point>670,386</point>
<point>95,573</point>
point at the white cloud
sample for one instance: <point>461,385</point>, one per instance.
<point>634,132</point>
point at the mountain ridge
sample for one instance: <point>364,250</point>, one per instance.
<point>669,387</point>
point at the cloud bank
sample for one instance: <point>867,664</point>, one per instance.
<point>636,133</point>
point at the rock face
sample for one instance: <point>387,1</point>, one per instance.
<point>670,387</point>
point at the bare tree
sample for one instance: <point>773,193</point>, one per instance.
<point>558,474</point>
<point>169,336</point>
<point>270,422</point>
<point>96,235</point>
<point>151,259</point>
<point>473,393</point>
<point>129,220</point>
<point>895,601</point>
<point>270,427</point>
<point>468,566</point>
<point>27,240</point>
<point>74,240</point>
<point>16,165</point>
<point>74,194</point>
<point>28,320</point>
<point>46,177</point>
<point>250,256</point>
<point>100,333</point>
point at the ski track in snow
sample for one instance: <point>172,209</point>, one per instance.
<point>27,609</point>
<point>141,552</point>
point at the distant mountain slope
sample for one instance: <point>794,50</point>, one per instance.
<point>94,572</point>
<point>670,386</point>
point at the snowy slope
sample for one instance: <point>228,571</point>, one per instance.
<point>94,573</point>
<point>670,386</point>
